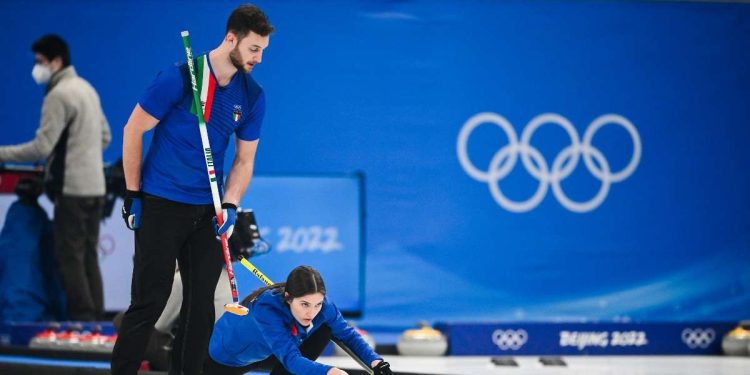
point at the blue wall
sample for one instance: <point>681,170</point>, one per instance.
<point>386,87</point>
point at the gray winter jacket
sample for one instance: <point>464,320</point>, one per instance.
<point>71,136</point>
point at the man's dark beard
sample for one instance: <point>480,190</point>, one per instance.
<point>234,57</point>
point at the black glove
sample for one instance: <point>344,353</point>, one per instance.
<point>382,368</point>
<point>131,209</point>
<point>246,240</point>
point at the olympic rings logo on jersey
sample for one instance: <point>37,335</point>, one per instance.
<point>698,338</point>
<point>509,339</point>
<point>505,159</point>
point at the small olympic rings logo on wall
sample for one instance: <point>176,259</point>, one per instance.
<point>509,339</point>
<point>505,159</point>
<point>698,337</point>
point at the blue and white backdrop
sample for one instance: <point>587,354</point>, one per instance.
<point>523,161</point>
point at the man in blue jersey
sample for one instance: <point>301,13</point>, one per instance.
<point>169,204</point>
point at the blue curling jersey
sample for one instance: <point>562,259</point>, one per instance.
<point>174,167</point>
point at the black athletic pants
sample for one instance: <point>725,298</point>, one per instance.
<point>310,349</point>
<point>169,231</point>
<point>76,231</point>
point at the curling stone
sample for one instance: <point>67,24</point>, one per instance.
<point>46,339</point>
<point>368,339</point>
<point>91,341</point>
<point>68,339</point>
<point>424,341</point>
<point>737,341</point>
<point>77,337</point>
<point>108,344</point>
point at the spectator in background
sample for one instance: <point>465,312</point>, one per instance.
<point>72,134</point>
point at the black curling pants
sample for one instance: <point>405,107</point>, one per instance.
<point>168,231</point>
<point>76,226</point>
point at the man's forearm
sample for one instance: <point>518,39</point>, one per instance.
<point>132,152</point>
<point>132,145</point>
<point>238,181</point>
<point>51,125</point>
<point>25,152</point>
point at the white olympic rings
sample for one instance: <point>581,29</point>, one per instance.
<point>509,339</point>
<point>505,159</point>
<point>698,338</point>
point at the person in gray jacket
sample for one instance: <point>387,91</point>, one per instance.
<point>72,134</point>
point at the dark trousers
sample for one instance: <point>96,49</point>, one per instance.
<point>169,231</point>
<point>76,231</point>
<point>310,349</point>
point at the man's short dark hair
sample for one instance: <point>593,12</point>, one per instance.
<point>52,46</point>
<point>247,18</point>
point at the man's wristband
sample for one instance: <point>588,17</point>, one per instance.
<point>133,194</point>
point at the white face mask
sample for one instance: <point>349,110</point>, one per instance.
<point>41,74</point>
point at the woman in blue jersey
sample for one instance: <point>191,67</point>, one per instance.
<point>288,326</point>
